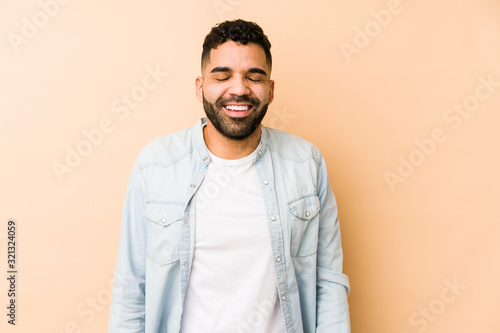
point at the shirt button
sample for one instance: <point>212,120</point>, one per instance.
<point>163,220</point>
<point>307,214</point>
<point>283,298</point>
<point>185,263</point>
<point>278,259</point>
<point>266,182</point>
<point>260,152</point>
<point>273,218</point>
<point>186,221</point>
<point>193,185</point>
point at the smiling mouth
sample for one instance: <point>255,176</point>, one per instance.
<point>238,110</point>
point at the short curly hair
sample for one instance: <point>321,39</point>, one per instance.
<point>239,31</point>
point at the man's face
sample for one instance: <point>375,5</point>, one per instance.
<point>235,88</point>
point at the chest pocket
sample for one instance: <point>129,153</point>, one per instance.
<point>304,222</point>
<point>164,231</point>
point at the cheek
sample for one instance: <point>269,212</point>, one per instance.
<point>263,94</point>
<point>213,92</point>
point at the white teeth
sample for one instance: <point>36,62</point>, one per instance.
<point>237,107</point>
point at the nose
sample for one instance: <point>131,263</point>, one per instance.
<point>239,86</point>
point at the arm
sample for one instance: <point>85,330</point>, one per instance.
<point>332,286</point>
<point>127,312</point>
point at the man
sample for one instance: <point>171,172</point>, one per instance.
<point>230,226</point>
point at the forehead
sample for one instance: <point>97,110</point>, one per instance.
<point>237,56</point>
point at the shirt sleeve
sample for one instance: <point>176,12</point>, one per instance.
<point>332,286</point>
<point>127,310</point>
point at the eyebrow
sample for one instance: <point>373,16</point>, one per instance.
<point>257,71</point>
<point>221,69</point>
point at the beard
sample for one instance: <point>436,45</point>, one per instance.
<point>232,127</point>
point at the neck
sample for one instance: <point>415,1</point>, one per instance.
<point>230,149</point>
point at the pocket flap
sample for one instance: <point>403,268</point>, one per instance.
<point>305,208</point>
<point>163,214</point>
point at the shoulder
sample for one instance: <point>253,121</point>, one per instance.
<point>167,149</point>
<point>290,146</point>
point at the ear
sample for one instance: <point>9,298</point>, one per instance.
<point>271,91</point>
<point>199,88</point>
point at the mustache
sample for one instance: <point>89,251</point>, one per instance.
<point>239,99</point>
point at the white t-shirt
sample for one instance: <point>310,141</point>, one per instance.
<point>232,287</point>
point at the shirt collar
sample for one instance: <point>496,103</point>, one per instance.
<point>203,152</point>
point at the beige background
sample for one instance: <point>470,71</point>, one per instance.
<point>362,99</point>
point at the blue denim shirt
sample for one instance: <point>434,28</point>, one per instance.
<point>157,234</point>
